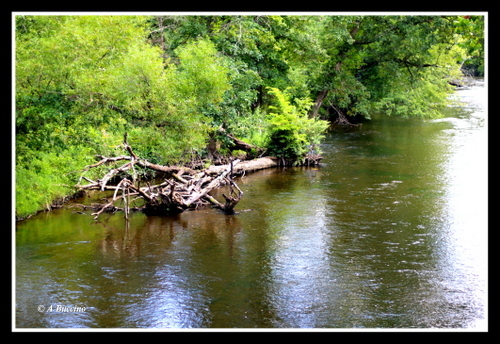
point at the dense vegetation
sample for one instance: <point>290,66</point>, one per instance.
<point>171,82</point>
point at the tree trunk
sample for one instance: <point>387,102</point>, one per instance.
<point>241,145</point>
<point>247,166</point>
<point>313,113</point>
<point>342,119</point>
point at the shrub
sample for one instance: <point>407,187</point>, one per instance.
<point>48,177</point>
<point>292,133</point>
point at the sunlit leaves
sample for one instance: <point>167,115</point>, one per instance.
<point>292,133</point>
<point>201,78</point>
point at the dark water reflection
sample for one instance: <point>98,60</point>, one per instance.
<point>390,232</point>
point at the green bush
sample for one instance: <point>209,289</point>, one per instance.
<point>48,177</point>
<point>292,135</point>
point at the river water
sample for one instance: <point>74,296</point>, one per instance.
<point>390,232</point>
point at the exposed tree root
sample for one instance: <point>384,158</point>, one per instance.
<point>183,189</point>
<point>342,119</point>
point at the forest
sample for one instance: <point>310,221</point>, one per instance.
<point>197,90</point>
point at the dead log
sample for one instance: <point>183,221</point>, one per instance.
<point>175,195</point>
<point>167,169</point>
<point>247,166</point>
<point>240,144</point>
<point>215,183</point>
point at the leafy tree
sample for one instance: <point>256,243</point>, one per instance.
<point>202,78</point>
<point>470,32</point>
<point>374,62</point>
<point>68,64</point>
<point>259,51</point>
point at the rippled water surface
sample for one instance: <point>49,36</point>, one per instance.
<point>390,232</point>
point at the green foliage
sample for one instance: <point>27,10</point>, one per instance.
<point>202,78</point>
<point>254,129</point>
<point>419,92</point>
<point>170,81</point>
<point>398,64</point>
<point>292,133</point>
<point>48,177</point>
<point>470,32</point>
<point>259,52</point>
<point>78,85</point>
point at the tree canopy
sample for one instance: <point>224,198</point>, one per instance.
<point>172,81</point>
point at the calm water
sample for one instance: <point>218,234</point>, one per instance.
<point>391,232</point>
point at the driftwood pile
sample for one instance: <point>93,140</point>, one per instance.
<point>182,189</point>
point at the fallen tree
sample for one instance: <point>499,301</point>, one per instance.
<point>247,166</point>
<point>182,189</point>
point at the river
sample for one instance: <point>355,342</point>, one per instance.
<point>390,232</point>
